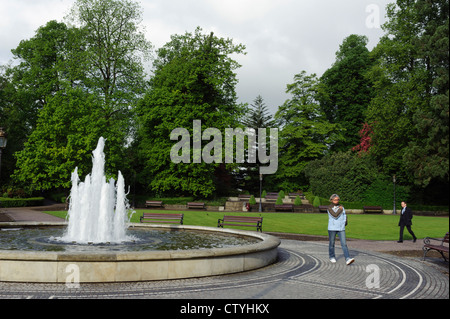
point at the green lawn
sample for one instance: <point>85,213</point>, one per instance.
<point>372,227</point>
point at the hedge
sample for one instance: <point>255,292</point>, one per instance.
<point>21,202</point>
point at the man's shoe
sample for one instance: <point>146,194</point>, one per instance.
<point>350,261</point>
<point>400,241</point>
<point>414,240</point>
<point>333,260</point>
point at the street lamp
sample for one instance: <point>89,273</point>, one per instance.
<point>394,180</point>
<point>3,140</point>
<point>260,191</point>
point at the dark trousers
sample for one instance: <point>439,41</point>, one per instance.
<point>408,227</point>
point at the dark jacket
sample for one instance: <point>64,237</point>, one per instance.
<point>406,217</point>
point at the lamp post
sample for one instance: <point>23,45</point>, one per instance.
<point>394,180</point>
<point>260,192</point>
<point>3,140</point>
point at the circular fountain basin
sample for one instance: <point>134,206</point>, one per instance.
<point>122,266</point>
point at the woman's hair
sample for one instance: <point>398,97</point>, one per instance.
<point>334,196</point>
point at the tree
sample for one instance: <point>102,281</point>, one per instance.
<point>409,112</point>
<point>256,117</point>
<point>194,79</point>
<point>427,155</point>
<point>365,135</point>
<point>305,134</point>
<point>67,131</point>
<point>345,92</point>
<point>25,87</point>
<point>114,49</point>
<point>100,62</point>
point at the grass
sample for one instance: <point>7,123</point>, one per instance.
<point>371,227</point>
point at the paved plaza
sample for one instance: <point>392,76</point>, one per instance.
<point>303,271</point>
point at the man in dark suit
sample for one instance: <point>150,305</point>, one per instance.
<point>406,220</point>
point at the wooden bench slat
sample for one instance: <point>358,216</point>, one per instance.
<point>373,209</point>
<point>287,207</point>
<point>244,197</point>
<point>153,203</point>
<point>162,218</point>
<point>196,205</point>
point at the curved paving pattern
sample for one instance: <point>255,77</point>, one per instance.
<point>302,271</point>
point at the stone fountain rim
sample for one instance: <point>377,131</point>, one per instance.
<point>268,242</point>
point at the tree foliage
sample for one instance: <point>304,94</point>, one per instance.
<point>305,135</point>
<point>194,79</point>
<point>409,112</point>
<point>86,81</point>
<point>345,92</point>
<point>67,131</point>
<point>256,116</point>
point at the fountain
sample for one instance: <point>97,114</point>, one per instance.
<point>98,208</point>
<point>96,242</point>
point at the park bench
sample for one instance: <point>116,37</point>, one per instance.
<point>195,205</point>
<point>323,209</point>
<point>244,197</point>
<point>294,195</point>
<point>153,203</point>
<point>271,197</point>
<point>285,207</point>
<point>244,221</point>
<point>436,244</point>
<point>372,209</point>
<point>162,218</point>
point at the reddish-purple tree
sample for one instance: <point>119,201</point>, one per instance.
<point>366,138</point>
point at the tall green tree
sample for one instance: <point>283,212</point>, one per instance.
<point>67,132</point>
<point>194,79</point>
<point>100,61</point>
<point>114,52</point>
<point>25,86</point>
<point>306,134</point>
<point>257,116</point>
<point>345,91</point>
<point>409,112</point>
<point>428,154</point>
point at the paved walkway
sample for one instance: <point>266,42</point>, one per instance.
<point>303,271</point>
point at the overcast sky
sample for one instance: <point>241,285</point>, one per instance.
<point>283,37</point>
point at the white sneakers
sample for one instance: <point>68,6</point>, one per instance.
<point>348,261</point>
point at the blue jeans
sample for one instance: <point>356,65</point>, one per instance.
<point>332,236</point>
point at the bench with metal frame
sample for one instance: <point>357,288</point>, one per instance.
<point>243,221</point>
<point>162,218</point>
<point>436,244</point>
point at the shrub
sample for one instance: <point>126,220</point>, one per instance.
<point>316,202</point>
<point>279,200</point>
<point>252,200</point>
<point>298,201</point>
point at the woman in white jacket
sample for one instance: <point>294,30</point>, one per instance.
<point>337,220</point>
